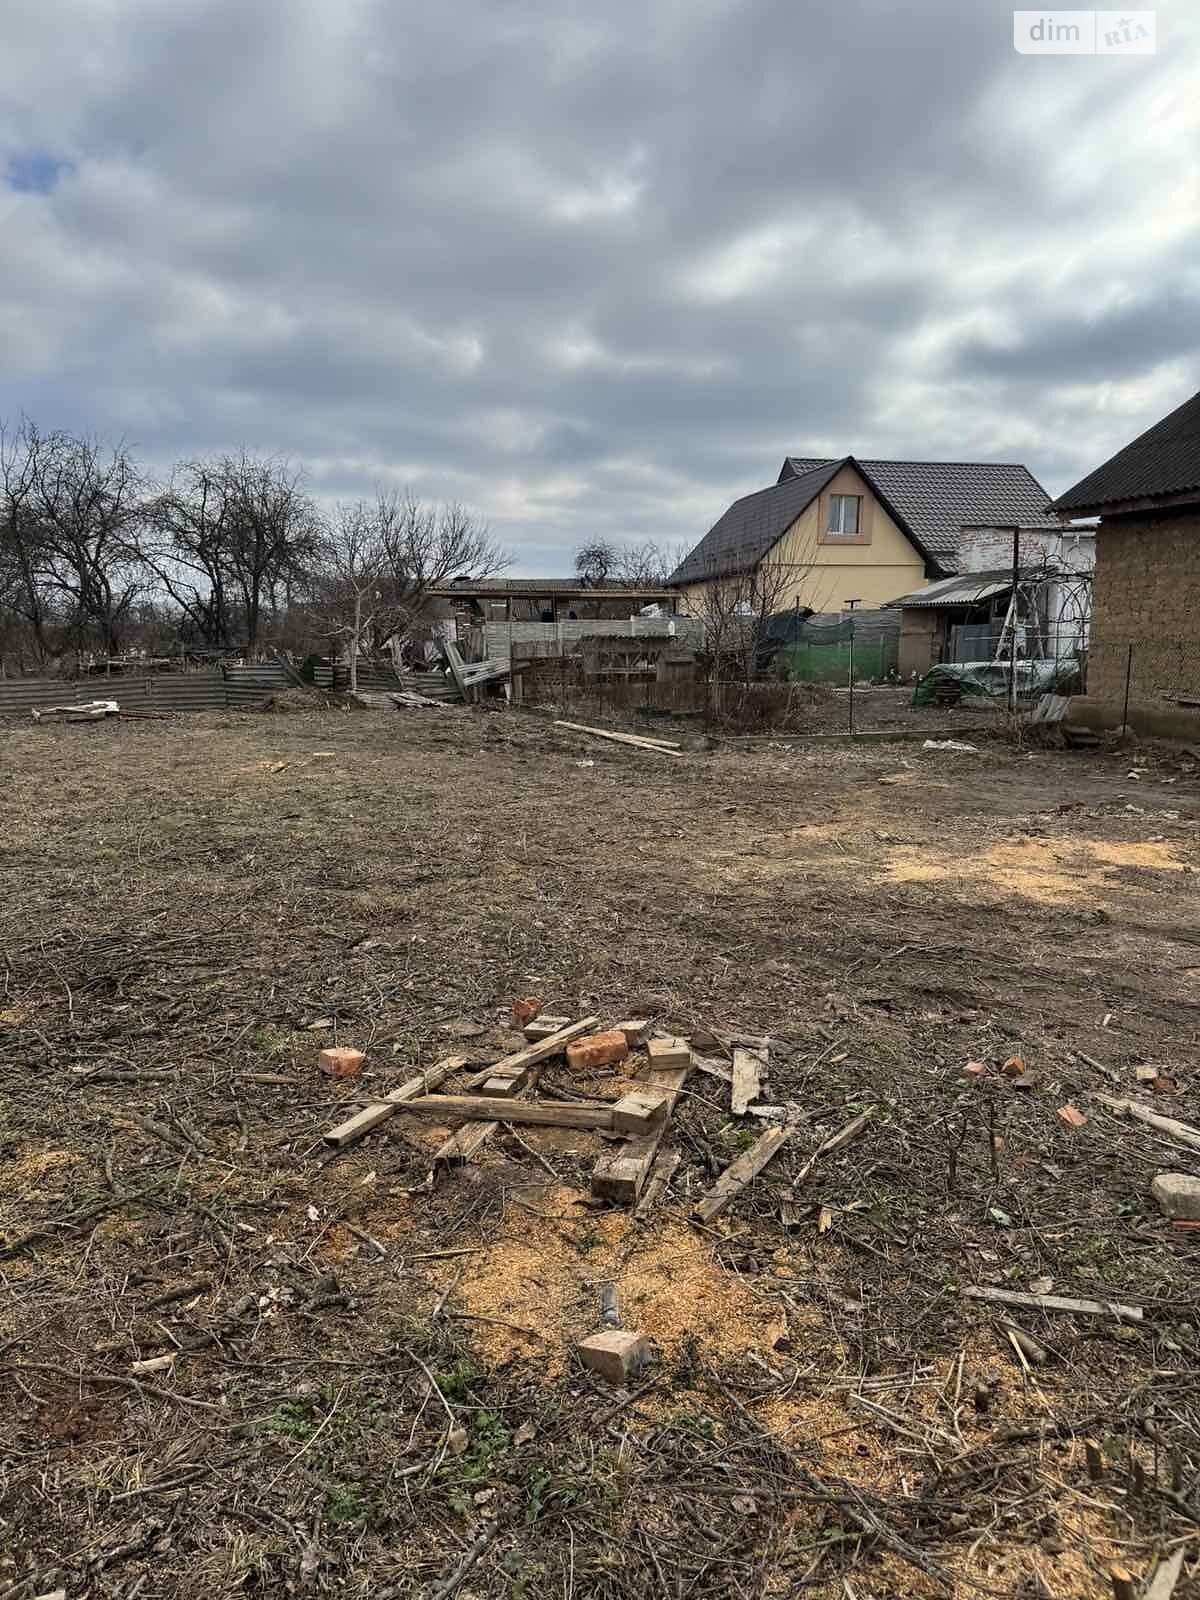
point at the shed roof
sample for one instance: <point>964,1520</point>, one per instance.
<point>968,588</point>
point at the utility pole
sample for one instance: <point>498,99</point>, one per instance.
<point>850,605</point>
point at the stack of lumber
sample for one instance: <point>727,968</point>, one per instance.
<point>637,1166</point>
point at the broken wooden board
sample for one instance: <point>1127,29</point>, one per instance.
<point>741,1172</point>
<point>362,1123</point>
<point>748,1071</point>
<point>537,1114</point>
<point>1182,1132</point>
<point>620,1174</point>
<point>463,1144</point>
<point>639,1111</point>
<point>1055,1302</point>
<point>663,748</point>
<point>661,1174</point>
<point>542,1027</point>
<point>713,1067</point>
<point>1166,1575</point>
<point>515,1067</point>
<point>834,1142</point>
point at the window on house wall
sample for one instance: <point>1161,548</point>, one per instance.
<point>844,516</point>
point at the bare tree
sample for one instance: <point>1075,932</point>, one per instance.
<point>735,608</point>
<point>273,529</point>
<point>88,504</point>
<point>67,511</point>
<point>647,563</point>
<point>427,545</point>
<point>187,544</point>
<point>595,560</point>
<point>24,578</point>
<point>353,570</point>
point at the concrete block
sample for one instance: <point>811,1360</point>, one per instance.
<point>1178,1195</point>
<point>597,1050</point>
<point>669,1053</point>
<point>342,1063</point>
<point>616,1355</point>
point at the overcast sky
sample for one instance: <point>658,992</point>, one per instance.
<point>592,268</point>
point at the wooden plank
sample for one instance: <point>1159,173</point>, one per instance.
<point>356,1127</point>
<point>639,1111</point>
<point>538,1114</point>
<point>542,1027</point>
<point>514,1065</point>
<point>713,1067</point>
<point>747,1080</point>
<point>660,1176</point>
<point>620,1174</point>
<point>621,738</point>
<point>462,1145</point>
<point>834,1142</point>
<point>1166,1575</point>
<point>742,1172</point>
<point>1055,1302</point>
<point>670,1080</point>
<point>1181,1132</point>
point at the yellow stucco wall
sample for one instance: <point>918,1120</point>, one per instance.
<point>824,574</point>
<point>880,567</point>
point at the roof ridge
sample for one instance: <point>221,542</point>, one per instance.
<point>912,461</point>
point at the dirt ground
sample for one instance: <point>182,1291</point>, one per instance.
<point>364,1382</point>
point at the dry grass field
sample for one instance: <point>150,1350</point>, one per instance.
<point>363,1382</point>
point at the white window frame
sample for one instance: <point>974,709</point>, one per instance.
<point>837,503</point>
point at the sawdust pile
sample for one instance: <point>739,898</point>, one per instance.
<point>539,1279</point>
<point>1052,871</point>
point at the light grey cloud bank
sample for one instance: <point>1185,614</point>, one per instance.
<point>594,269</point>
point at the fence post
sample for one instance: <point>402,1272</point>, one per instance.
<point>1128,676</point>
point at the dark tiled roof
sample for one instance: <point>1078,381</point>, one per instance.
<point>1163,461</point>
<point>739,540</point>
<point>932,500</point>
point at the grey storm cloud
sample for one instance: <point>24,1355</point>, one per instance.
<point>591,268</point>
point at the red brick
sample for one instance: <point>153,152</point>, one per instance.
<point>597,1050</point>
<point>524,1010</point>
<point>342,1063</point>
<point>975,1069</point>
<point>1072,1117</point>
<point>1014,1067</point>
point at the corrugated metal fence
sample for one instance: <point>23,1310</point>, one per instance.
<point>215,690</point>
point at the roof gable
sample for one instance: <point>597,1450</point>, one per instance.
<point>932,500</point>
<point>1164,461</point>
<point>929,501</point>
<point>740,538</point>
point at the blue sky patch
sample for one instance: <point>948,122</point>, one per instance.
<point>35,172</point>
